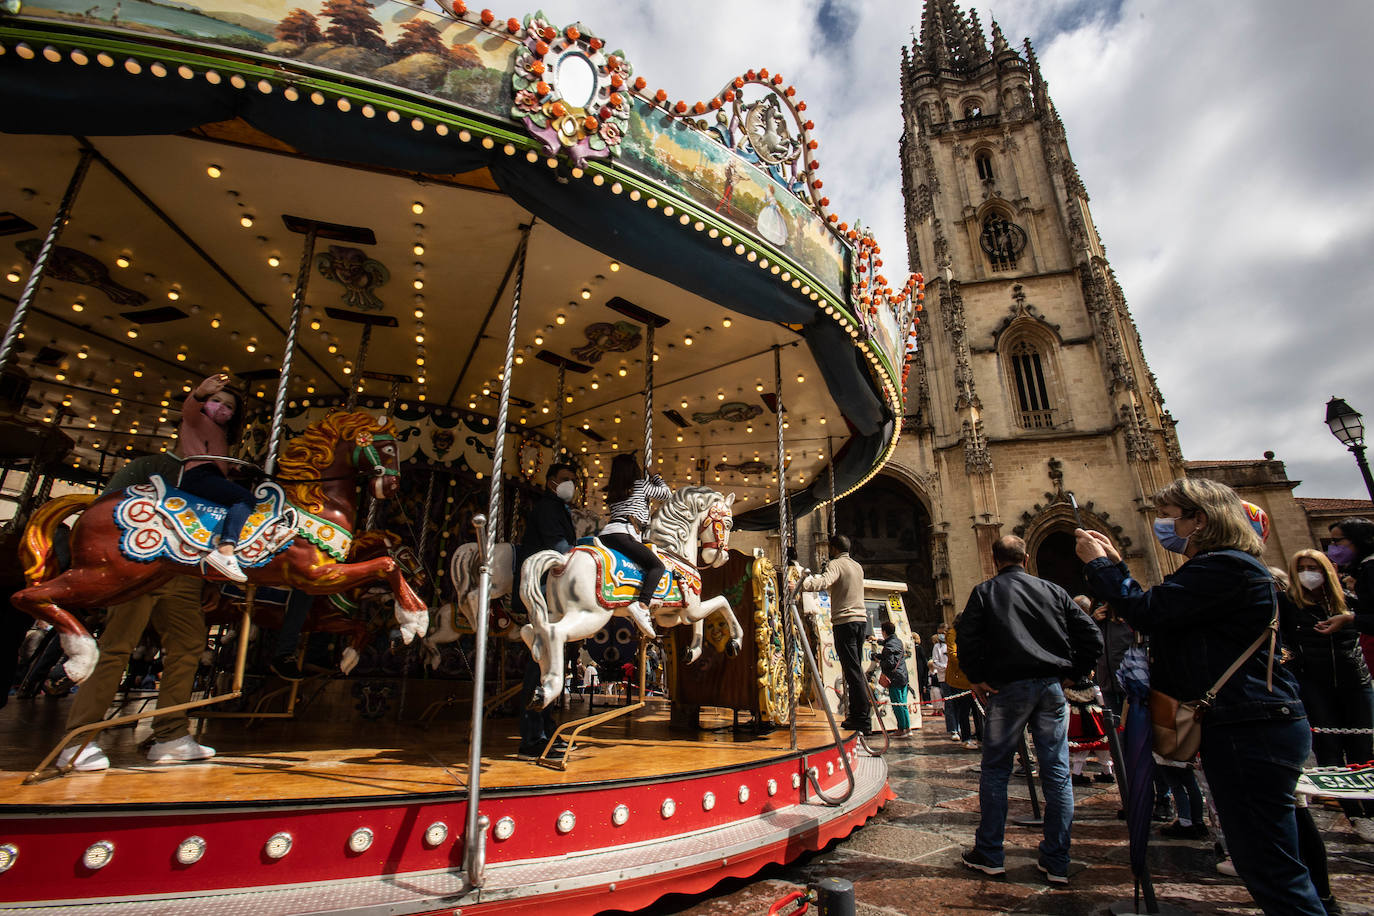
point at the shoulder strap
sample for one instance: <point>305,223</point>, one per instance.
<point>1270,633</point>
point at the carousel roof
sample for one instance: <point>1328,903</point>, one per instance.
<point>212,148</point>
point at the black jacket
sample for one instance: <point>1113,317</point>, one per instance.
<point>1199,620</point>
<point>1017,626</point>
<point>1363,607</point>
<point>549,526</point>
<point>892,661</point>
<point>1333,660</point>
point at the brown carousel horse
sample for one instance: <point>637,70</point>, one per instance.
<point>317,471</point>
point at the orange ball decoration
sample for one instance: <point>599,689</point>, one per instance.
<point>538,67</point>
<point>660,96</point>
<point>613,62</point>
<point>680,107</point>
<point>730,94</point>
<point>639,83</point>
<point>541,48</point>
<point>572,33</point>
<point>595,43</point>
<point>818,184</point>
<point>590,124</point>
<point>715,103</point>
<point>699,108</point>
<point>488,17</point>
<point>824,201</point>
<point>541,87</point>
<point>739,82</point>
<point>559,109</point>
<point>512,25</point>
<point>777,79</point>
<point>812,145</point>
<point>763,73</point>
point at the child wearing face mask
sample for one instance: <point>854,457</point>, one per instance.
<point>1332,675</point>
<point>209,421</point>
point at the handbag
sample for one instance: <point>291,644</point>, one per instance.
<point>1177,725</point>
<point>884,681</point>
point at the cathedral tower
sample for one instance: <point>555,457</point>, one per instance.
<point>1030,382</point>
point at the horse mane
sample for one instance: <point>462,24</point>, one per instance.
<point>675,523</point>
<point>311,453</point>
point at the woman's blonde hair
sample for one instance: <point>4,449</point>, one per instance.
<point>1228,527</point>
<point>1335,595</point>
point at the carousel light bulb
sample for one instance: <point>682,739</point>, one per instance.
<point>822,421</point>
<point>12,276</point>
<point>314,324</point>
<point>418,283</point>
<point>61,376</point>
<point>758,384</point>
<point>215,322</point>
<point>309,389</point>
<point>560,318</point>
<point>586,293</point>
<point>615,265</point>
<point>83,353</point>
<point>418,249</point>
<point>801,379</point>
<point>472,405</point>
<point>726,322</point>
<point>544,409</point>
<point>420,338</point>
<point>720,395</point>
<point>687,341</point>
<point>173,294</point>
<point>595,384</point>
<point>617,418</point>
<point>519,360</point>
<point>417,208</point>
<point>538,340</point>
<point>246,221</point>
<point>347,370</point>
<point>679,437</point>
<point>138,373</point>
<point>622,372</point>
<point>213,171</point>
<point>419,313</point>
<point>123,261</point>
<point>252,345</point>
<point>273,261</point>
<point>132,333</point>
<point>78,306</point>
<point>333,348</point>
<point>91,425</point>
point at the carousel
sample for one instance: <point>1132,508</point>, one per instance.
<point>439,253</point>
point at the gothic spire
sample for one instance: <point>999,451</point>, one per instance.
<point>949,40</point>
<point>999,41</point>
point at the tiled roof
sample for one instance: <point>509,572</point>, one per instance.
<point>1311,504</point>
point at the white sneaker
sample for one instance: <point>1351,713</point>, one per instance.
<point>1226,867</point>
<point>640,615</point>
<point>178,750</point>
<point>91,760</point>
<point>226,564</point>
<point>1364,828</point>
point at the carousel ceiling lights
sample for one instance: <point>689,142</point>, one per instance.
<point>214,171</point>
<point>246,221</point>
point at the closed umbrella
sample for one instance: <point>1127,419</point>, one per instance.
<point>1138,769</point>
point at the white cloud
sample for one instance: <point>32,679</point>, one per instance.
<point>1225,146</point>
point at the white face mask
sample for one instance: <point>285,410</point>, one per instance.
<point>1311,579</point>
<point>566,491</point>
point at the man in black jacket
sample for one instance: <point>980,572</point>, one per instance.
<point>549,526</point>
<point>1020,639</point>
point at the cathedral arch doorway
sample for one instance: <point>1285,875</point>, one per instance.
<point>1056,559</point>
<point>890,527</point>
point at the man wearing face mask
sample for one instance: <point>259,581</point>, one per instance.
<point>549,526</point>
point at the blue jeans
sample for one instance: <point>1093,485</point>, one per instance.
<point>1252,769</point>
<point>951,724</point>
<point>1040,703</point>
<point>207,481</point>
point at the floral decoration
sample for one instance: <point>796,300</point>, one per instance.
<point>591,131</point>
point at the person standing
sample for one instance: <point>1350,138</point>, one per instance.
<point>939,667</point>
<point>1020,639</point>
<point>1331,671</point>
<point>920,663</point>
<point>843,578</point>
<point>1214,613</point>
<point>892,663</point>
<point>549,526</point>
<point>173,608</point>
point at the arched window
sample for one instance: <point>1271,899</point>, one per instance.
<point>1002,241</point>
<point>1036,410</point>
<point>983,160</point>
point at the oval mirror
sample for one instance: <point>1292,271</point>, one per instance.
<point>576,79</point>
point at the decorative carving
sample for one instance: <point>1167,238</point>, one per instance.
<point>977,459</point>
<point>568,91</point>
<point>752,468</point>
<point>776,670</point>
<point>604,337</point>
<point>72,266</point>
<point>358,274</point>
<point>1020,309</point>
<point>729,412</point>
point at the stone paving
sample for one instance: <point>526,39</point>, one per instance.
<point>906,860</point>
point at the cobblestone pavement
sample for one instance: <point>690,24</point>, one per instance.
<point>906,860</point>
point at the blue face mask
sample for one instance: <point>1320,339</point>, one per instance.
<point>1168,537</point>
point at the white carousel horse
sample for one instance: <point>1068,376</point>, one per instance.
<point>692,530</point>
<point>464,569</point>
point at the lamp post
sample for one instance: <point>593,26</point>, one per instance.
<point>1347,425</point>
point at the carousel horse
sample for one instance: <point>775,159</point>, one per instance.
<point>338,613</point>
<point>126,543</point>
<point>464,569</point>
<point>590,585</point>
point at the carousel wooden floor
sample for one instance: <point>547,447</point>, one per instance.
<point>319,756</point>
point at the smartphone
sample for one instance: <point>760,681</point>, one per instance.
<point>1077,518</point>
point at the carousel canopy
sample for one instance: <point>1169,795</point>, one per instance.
<point>432,142</point>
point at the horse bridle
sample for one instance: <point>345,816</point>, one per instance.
<point>363,445</point>
<point>715,521</point>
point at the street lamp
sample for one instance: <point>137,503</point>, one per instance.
<point>1347,425</point>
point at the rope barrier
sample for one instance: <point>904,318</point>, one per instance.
<point>1343,731</point>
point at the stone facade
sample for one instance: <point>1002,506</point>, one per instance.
<point>1029,383</point>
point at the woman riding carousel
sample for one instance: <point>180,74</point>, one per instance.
<point>628,494</point>
<point>209,422</point>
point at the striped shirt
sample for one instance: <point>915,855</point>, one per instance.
<point>634,509</point>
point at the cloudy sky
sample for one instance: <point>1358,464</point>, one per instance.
<point>1225,145</point>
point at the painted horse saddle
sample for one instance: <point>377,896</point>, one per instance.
<point>157,520</point>
<point>619,578</point>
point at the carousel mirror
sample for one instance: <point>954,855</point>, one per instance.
<point>576,79</point>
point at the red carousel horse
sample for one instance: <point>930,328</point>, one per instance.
<point>125,544</point>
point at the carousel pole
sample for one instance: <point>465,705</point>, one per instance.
<point>558,411</point>
<point>40,263</point>
<point>830,451</point>
<point>353,383</point>
<point>474,837</point>
<point>648,398</point>
<point>784,523</point>
<point>292,330</point>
